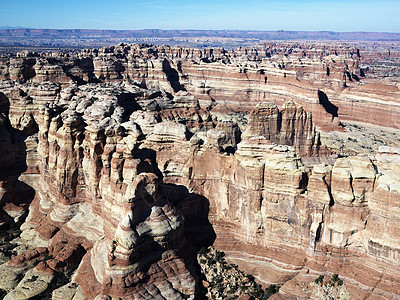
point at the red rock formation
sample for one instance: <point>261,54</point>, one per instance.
<point>237,79</point>
<point>129,180</point>
<point>291,126</point>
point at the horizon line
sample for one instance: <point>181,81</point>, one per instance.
<point>210,30</point>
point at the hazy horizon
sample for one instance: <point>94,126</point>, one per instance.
<point>288,15</point>
<point>12,27</point>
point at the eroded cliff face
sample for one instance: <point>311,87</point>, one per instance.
<point>326,79</point>
<point>126,165</point>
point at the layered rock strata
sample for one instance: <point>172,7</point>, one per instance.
<point>325,79</point>
<point>122,181</point>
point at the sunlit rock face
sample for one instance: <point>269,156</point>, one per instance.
<point>118,164</point>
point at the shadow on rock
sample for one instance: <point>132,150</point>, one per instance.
<point>327,105</point>
<point>15,195</point>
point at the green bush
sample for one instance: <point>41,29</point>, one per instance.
<point>319,280</point>
<point>219,255</point>
<point>210,261</point>
<point>218,278</point>
<point>256,294</point>
<point>220,288</point>
<point>234,289</point>
<point>335,279</point>
<point>250,277</point>
<point>242,286</point>
<point>203,250</point>
<point>272,289</point>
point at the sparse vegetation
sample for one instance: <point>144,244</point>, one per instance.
<point>219,255</point>
<point>203,250</point>
<point>7,234</point>
<point>250,277</point>
<point>319,280</point>
<point>333,281</point>
<point>272,289</point>
<point>226,281</point>
<point>325,287</point>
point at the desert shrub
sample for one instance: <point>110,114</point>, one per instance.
<point>234,288</point>
<point>203,250</point>
<point>272,289</point>
<point>220,288</point>
<point>218,279</point>
<point>219,255</point>
<point>210,261</point>
<point>319,280</point>
<point>250,277</point>
<point>335,279</point>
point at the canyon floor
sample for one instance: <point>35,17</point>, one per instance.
<point>141,171</point>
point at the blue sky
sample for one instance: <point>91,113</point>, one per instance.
<point>351,15</point>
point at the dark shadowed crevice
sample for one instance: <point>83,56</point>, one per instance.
<point>303,182</point>
<point>318,233</point>
<point>172,76</point>
<point>129,103</point>
<point>327,105</point>
<point>329,189</point>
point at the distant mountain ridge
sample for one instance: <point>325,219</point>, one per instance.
<point>159,33</point>
<point>38,40</point>
<point>11,27</point>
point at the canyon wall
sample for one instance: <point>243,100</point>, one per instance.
<point>118,164</point>
<point>326,79</point>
